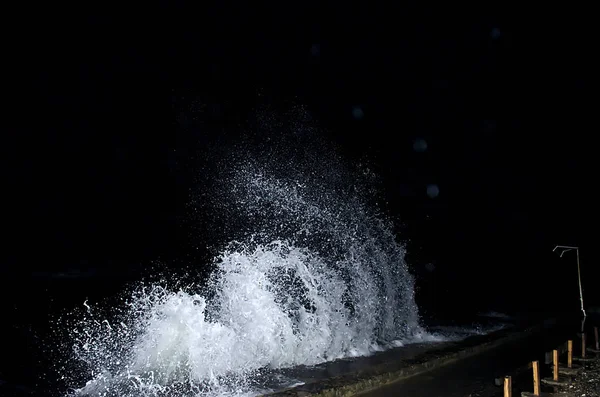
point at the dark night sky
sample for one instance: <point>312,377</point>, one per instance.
<point>101,144</point>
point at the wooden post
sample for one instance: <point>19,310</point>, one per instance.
<point>596,337</point>
<point>555,362</point>
<point>570,354</point>
<point>583,345</point>
<point>507,386</point>
<point>536,378</point>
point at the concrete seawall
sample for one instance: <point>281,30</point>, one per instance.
<point>349,377</point>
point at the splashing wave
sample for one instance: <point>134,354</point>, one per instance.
<point>314,274</point>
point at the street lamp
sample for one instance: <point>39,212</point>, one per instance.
<point>566,248</point>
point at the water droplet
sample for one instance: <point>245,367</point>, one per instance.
<point>433,190</point>
<point>420,145</point>
<point>358,113</point>
<point>315,50</point>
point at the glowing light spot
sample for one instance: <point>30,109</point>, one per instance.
<point>420,145</point>
<point>433,190</point>
<point>358,113</point>
<point>315,50</point>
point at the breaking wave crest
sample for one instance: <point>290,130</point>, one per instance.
<point>313,274</point>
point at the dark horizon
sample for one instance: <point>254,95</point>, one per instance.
<point>106,134</point>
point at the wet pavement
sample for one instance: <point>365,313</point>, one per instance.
<point>465,368</point>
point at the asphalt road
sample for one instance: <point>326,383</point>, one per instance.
<point>474,376</point>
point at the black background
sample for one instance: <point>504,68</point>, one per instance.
<point>108,111</point>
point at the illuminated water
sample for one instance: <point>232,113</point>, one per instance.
<point>313,273</point>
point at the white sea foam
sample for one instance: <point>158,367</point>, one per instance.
<point>275,306</point>
<point>314,275</point>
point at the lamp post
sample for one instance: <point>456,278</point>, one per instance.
<point>566,248</point>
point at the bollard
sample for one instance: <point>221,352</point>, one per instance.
<point>596,337</point>
<point>555,362</point>
<point>536,378</point>
<point>570,354</point>
<point>583,345</point>
<point>507,386</point>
